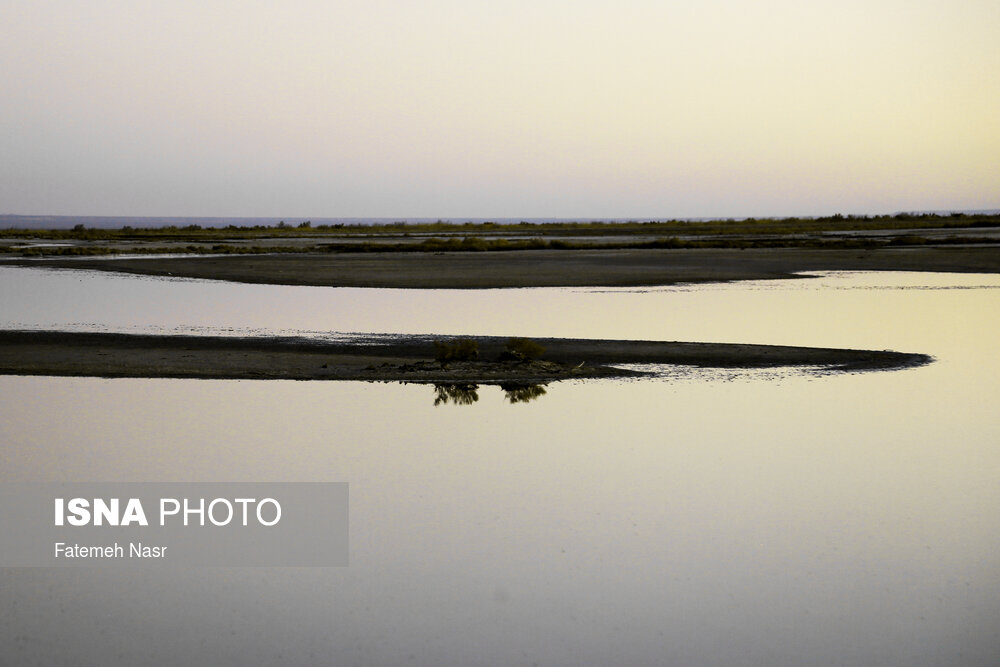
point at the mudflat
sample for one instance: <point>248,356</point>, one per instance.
<point>542,268</point>
<point>392,358</point>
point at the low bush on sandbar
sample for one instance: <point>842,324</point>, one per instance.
<point>461,349</point>
<point>524,349</point>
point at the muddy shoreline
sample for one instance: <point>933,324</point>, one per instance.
<point>540,268</point>
<point>392,358</point>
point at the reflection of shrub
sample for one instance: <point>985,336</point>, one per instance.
<point>463,349</point>
<point>459,394</point>
<point>524,348</point>
<point>522,393</point>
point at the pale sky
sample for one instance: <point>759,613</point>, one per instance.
<point>580,108</point>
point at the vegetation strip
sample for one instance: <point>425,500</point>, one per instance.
<point>837,231</point>
<point>837,222</point>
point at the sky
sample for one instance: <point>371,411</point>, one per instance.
<point>541,108</point>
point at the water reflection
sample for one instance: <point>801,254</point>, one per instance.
<point>522,393</point>
<point>459,394</point>
<point>467,394</point>
<point>737,517</point>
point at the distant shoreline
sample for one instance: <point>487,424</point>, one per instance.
<point>42,221</point>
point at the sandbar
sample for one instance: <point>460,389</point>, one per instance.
<point>393,358</point>
<point>540,268</point>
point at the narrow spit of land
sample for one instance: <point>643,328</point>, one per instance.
<point>540,268</point>
<point>392,358</point>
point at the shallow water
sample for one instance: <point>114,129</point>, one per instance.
<point>705,518</point>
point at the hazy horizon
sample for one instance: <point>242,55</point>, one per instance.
<point>15,221</point>
<point>548,109</point>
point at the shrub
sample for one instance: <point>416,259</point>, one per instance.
<point>462,349</point>
<point>475,243</point>
<point>524,348</point>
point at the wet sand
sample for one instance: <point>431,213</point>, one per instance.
<point>542,268</point>
<point>410,358</point>
<point>391,358</point>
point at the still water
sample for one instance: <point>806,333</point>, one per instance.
<point>701,518</point>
